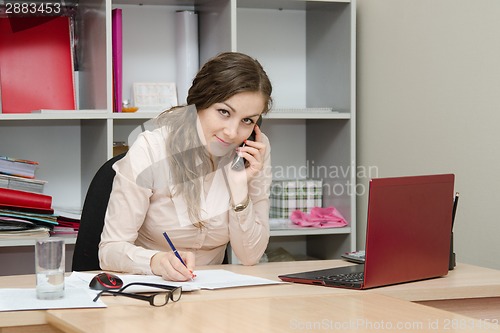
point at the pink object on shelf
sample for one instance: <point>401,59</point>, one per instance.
<point>319,217</point>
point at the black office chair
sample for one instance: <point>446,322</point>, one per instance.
<point>85,256</point>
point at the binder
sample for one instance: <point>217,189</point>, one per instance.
<point>36,64</point>
<point>117,49</point>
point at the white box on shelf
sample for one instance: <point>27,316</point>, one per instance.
<point>154,96</point>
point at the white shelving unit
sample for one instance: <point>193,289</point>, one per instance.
<point>308,50</point>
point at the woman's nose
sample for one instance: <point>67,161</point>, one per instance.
<point>231,131</point>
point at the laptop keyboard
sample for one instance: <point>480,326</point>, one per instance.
<point>350,277</point>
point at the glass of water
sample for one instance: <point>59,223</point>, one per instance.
<point>49,268</point>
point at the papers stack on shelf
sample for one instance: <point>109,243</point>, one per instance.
<point>25,214</point>
<point>20,229</point>
<point>68,221</point>
<point>66,226</point>
<point>14,224</point>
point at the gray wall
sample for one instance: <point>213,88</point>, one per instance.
<point>428,102</point>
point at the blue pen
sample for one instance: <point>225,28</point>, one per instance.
<point>173,248</point>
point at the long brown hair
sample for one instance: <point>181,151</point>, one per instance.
<point>219,79</point>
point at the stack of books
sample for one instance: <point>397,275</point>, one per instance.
<point>18,174</point>
<point>25,214</point>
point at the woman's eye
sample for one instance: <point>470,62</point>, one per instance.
<point>224,112</point>
<point>247,121</point>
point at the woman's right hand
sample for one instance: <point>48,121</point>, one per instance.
<point>170,268</point>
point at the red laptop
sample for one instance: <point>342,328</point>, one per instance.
<point>407,238</point>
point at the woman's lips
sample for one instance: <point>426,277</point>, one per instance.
<point>222,141</point>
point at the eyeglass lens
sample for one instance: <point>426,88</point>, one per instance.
<point>175,294</point>
<point>161,299</point>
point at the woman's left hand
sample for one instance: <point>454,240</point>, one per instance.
<point>253,152</point>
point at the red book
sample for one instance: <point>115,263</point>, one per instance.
<point>36,64</point>
<point>25,201</point>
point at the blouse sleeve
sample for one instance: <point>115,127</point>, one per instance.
<point>249,228</point>
<point>127,208</point>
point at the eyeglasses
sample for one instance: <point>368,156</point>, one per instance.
<point>155,299</point>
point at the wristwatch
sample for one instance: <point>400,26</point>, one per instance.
<point>241,206</point>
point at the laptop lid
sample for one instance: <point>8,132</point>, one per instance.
<point>408,229</point>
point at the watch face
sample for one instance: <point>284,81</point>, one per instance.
<point>239,207</point>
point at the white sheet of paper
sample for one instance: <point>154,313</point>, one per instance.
<point>220,278</point>
<point>205,279</point>
<point>14,299</point>
<point>79,295</point>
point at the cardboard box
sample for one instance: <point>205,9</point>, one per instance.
<point>292,194</point>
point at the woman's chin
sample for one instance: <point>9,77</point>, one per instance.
<point>219,149</point>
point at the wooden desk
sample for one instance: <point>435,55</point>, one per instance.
<point>240,308</point>
<point>363,312</point>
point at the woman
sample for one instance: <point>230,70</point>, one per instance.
<point>178,179</point>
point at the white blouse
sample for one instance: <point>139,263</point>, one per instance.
<point>141,207</point>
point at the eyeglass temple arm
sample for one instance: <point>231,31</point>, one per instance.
<point>153,285</point>
<point>120,293</point>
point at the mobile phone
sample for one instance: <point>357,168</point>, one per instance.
<point>239,163</point>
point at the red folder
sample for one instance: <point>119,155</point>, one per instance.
<point>36,64</point>
<point>25,201</point>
